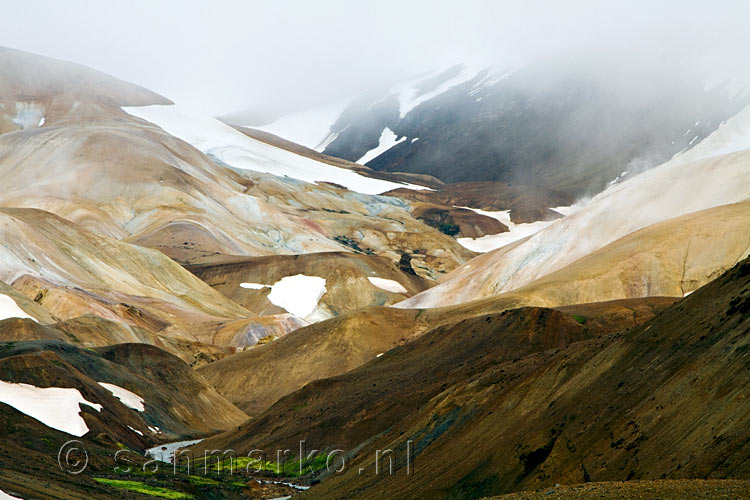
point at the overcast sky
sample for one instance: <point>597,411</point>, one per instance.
<point>221,56</point>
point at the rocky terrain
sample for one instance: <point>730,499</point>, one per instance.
<point>559,407</point>
<point>475,283</point>
<point>668,490</point>
<point>125,185</point>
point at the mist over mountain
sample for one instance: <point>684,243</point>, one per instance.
<point>567,122</point>
<point>407,250</point>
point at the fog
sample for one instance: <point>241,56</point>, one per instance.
<point>278,57</point>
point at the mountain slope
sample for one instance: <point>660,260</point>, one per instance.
<point>715,172</point>
<point>256,378</point>
<point>170,400</point>
<point>125,179</point>
<point>569,123</point>
<point>72,272</point>
<point>670,258</point>
<point>664,400</point>
<point>350,280</point>
<point>37,91</point>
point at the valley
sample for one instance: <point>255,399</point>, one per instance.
<point>504,282</point>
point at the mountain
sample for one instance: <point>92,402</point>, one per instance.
<point>714,173</point>
<point>572,122</point>
<point>528,398</point>
<point>670,258</point>
<point>536,278</point>
<point>172,400</point>
<point>352,281</point>
<point>336,346</point>
<point>125,185</point>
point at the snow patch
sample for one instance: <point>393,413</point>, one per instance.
<point>9,309</point>
<point>409,98</point>
<point>234,148</point>
<point>5,496</point>
<point>387,141</point>
<point>129,399</point>
<point>55,407</point>
<point>298,294</point>
<point>331,137</point>
<point>166,452</point>
<point>387,285</point>
<point>311,127</point>
<point>136,431</point>
<point>516,231</point>
<point>28,115</point>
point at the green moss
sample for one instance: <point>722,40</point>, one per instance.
<point>145,489</point>
<point>49,442</point>
<point>203,481</point>
<point>581,319</point>
<point>286,469</point>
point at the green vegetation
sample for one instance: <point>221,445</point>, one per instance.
<point>203,481</point>
<point>138,487</point>
<point>50,442</point>
<point>581,319</point>
<point>285,469</point>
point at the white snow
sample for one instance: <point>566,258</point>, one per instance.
<point>154,430</point>
<point>136,431</point>
<point>5,496</point>
<point>387,141</point>
<point>414,140</point>
<point>254,286</point>
<point>166,452</point>
<point>55,407</point>
<point>298,294</point>
<point>409,98</point>
<point>516,231</point>
<point>28,115</point>
<point>129,399</point>
<point>491,78</point>
<point>387,285</point>
<point>234,148</point>
<point>291,485</point>
<point>311,127</point>
<point>329,139</point>
<point>9,308</point>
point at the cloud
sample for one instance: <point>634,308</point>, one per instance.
<point>222,56</point>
